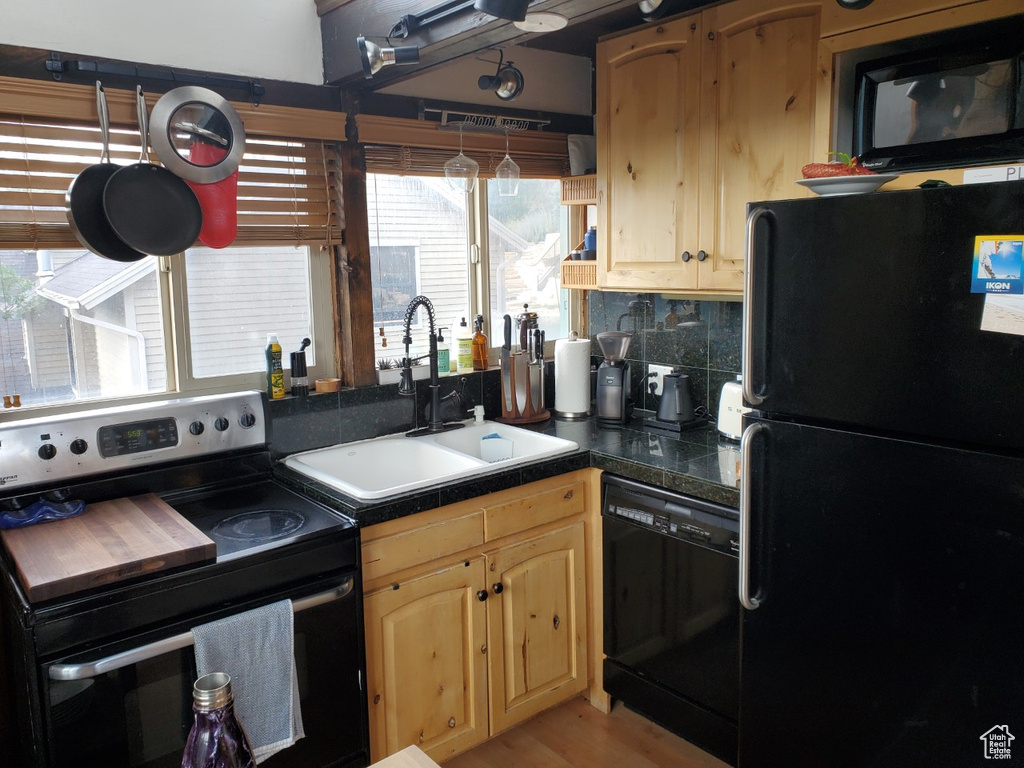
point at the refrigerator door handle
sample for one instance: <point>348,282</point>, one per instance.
<point>750,392</point>
<point>747,600</point>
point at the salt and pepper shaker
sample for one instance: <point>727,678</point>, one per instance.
<point>300,380</point>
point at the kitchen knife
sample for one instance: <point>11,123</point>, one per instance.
<point>540,359</point>
<point>506,370</point>
<point>521,369</point>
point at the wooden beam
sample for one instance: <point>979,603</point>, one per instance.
<point>354,306</point>
<point>29,64</point>
<point>439,43</point>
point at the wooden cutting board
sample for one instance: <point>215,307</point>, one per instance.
<point>110,541</point>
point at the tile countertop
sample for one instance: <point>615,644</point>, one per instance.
<point>695,462</point>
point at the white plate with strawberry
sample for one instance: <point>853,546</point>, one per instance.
<point>843,177</point>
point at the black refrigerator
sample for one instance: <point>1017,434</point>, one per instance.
<point>882,511</point>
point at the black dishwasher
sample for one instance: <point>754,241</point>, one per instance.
<point>671,632</point>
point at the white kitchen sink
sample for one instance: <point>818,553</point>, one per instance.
<point>394,464</point>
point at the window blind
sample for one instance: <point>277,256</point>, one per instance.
<point>289,188</point>
<point>395,145</point>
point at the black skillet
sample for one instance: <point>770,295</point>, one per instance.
<point>84,199</point>
<point>149,207</point>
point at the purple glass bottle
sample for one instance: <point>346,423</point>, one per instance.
<point>216,739</point>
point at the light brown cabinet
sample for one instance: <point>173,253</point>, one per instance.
<point>696,117</point>
<point>476,615</point>
<point>426,665</point>
<point>537,630</point>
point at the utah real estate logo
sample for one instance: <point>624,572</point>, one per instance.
<point>997,742</point>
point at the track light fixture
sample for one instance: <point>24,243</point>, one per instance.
<point>652,9</point>
<point>512,10</point>
<point>374,58</point>
<point>507,82</point>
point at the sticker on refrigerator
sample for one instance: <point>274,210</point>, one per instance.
<point>997,271</point>
<point>997,264</point>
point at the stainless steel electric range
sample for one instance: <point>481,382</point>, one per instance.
<point>103,676</point>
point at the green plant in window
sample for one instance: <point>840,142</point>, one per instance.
<point>17,295</point>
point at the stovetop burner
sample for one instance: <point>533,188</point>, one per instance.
<point>261,525</point>
<point>255,516</point>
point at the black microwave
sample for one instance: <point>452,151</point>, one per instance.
<point>943,101</point>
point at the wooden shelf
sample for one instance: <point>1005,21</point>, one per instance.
<point>579,190</point>
<point>579,274</point>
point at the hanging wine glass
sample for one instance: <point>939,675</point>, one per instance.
<point>507,174</point>
<point>461,171</point>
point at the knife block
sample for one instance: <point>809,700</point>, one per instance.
<point>527,406</point>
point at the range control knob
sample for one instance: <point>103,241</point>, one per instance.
<point>196,427</point>
<point>221,424</point>
<point>247,419</point>
<point>47,451</point>
<point>79,446</point>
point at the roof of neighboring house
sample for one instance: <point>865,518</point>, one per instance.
<point>90,280</point>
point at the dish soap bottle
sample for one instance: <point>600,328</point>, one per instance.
<point>464,348</point>
<point>443,364</point>
<point>275,373</point>
<point>216,738</point>
<point>480,348</point>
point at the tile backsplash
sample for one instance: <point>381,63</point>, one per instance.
<point>702,338</point>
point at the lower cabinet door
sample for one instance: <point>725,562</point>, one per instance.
<point>536,625</point>
<point>426,663</point>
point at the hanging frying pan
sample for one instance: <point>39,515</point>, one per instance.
<point>199,136</point>
<point>84,199</point>
<point>149,207</point>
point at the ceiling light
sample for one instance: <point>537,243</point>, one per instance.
<point>512,10</point>
<point>652,9</point>
<point>542,23</point>
<point>374,58</point>
<point>507,83</point>
<point>461,171</point>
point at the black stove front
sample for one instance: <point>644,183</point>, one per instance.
<point>104,676</point>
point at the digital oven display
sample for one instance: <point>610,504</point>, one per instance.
<point>137,437</point>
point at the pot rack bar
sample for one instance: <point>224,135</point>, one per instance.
<point>59,67</point>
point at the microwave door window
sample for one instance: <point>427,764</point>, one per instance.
<point>940,106</point>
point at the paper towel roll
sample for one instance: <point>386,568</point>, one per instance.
<point>572,378</point>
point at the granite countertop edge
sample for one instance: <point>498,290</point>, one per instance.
<point>690,463</point>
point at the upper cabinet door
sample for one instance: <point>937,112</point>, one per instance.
<point>757,121</point>
<point>647,147</point>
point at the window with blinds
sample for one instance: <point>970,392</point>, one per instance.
<point>288,189</point>
<point>76,327</point>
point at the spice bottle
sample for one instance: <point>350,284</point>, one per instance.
<point>275,373</point>
<point>217,739</point>
<point>464,348</point>
<point>480,348</point>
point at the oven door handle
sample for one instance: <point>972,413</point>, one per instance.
<point>176,642</point>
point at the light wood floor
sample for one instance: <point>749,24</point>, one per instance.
<point>576,734</point>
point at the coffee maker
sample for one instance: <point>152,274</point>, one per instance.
<point>614,388</point>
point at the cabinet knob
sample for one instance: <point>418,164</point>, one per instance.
<point>568,495</point>
<point>685,256</point>
<point>451,722</point>
<point>702,255</point>
<point>498,588</point>
<point>481,595</point>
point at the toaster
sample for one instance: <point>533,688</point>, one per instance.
<point>731,410</point>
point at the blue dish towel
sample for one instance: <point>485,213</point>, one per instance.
<point>256,649</point>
